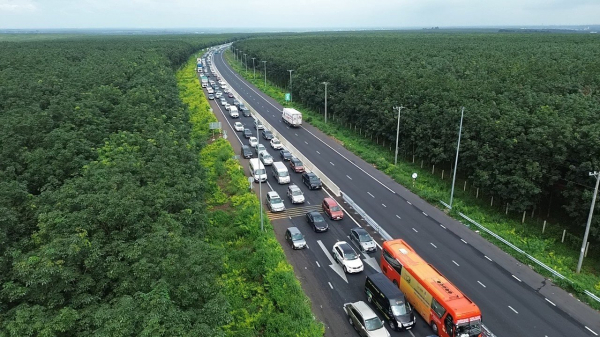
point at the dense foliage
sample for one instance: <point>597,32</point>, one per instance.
<point>531,129</point>
<point>265,297</point>
<point>102,199</point>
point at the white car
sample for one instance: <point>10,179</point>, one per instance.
<point>238,126</point>
<point>295,194</point>
<point>227,105</point>
<point>253,141</point>
<point>276,144</point>
<point>218,94</point>
<point>274,202</point>
<point>344,254</point>
<point>259,148</point>
<point>265,157</point>
<point>223,101</point>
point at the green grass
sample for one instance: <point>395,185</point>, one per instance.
<point>546,247</point>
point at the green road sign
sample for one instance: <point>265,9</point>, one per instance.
<point>287,97</point>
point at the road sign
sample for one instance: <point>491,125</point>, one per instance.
<point>224,134</point>
<point>214,125</point>
<point>287,97</point>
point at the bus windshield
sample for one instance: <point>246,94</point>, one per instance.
<point>468,329</point>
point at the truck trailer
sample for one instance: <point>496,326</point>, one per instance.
<point>292,117</point>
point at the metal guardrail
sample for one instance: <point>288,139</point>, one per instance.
<point>486,332</point>
<point>367,218</point>
<point>538,262</point>
<point>310,167</point>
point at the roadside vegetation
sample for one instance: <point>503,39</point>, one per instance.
<point>264,296</point>
<point>529,135</point>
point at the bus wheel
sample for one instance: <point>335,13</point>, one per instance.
<point>434,328</point>
<point>396,283</point>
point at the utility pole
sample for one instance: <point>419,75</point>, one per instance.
<point>399,108</point>
<point>589,221</point>
<point>326,83</point>
<point>260,198</point>
<point>246,61</point>
<point>253,67</point>
<point>265,62</point>
<point>462,113</point>
<point>291,85</point>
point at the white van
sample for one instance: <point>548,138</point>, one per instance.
<point>280,172</point>
<point>233,112</point>
<point>257,170</point>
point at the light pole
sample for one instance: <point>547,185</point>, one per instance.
<point>254,68</point>
<point>265,62</point>
<point>246,61</point>
<point>291,85</point>
<point>326,83</point>
<point>240,56</point>
<point>462,113</point>
<point>260,198</point>
<point>589,221</point>
<point>399,108</point>
<point>235,54</point>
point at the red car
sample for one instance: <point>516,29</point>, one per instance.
<point>230,95</point>
<point>332,209</point>
<point>296,165</point>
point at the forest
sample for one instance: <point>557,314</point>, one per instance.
<point>531,130</point>
<point>105,205</point>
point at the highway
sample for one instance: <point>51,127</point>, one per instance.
<point>511,301</point>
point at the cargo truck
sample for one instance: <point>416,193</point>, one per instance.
<point>204,81</point>
<point>292,117</point>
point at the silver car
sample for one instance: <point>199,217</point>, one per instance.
<point>266,158</point>
<point>295,194</point>
<point>362,239</point>
<point>295,238</point>
<point>364,320</point>
<point>274,202</point>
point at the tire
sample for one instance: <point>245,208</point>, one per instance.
<point>435,329</point>
<point>393,325</point>
<point>345,270</point>
<point>396,283</point>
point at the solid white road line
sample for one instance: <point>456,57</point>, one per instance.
<point>487,258</point>
<point>408,202</point>
<point>590,330</point>
<point>318,265</point>
<point>483,285</point>
<point>425,214</point>
<point>431,243</point>
<point>547,300</point>
<point>465,242</point>
<point>516,278</point>
<point>442,226</point>
<point>458,265</point>
<point>511,308</point>
<point>330,285</point>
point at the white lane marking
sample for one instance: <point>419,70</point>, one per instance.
<point>330,286</point>
<point>412,334</point>
<point>369,193</point>
<point>318,152</point>
<point>487,258</point>
<point>483,285</point>
<point>463,241</point>
<point>516,278</point>
<point>442,226</point>
<point>318,265</point>
<point>332,164</point>
<point>431,243</point>
<point>458,265</point>
<point>397,216</point>
<point>383,205</point>
<point>425,214</point>
<point>348,177</point>
<point>590,330</point>
<point>408,202</point>
<point>306,142</point>
<point>296,134</point>
<point>547,300</point>
<point>511,308</point>
<point>416,231</point>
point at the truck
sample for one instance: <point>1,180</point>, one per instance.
<point>233,112</point>
<point>204,81</point>
<point>199,67</point>
<point>292,117</point>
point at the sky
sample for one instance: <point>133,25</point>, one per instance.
<point>293,14</point>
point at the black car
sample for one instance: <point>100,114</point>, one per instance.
<point>317,221</point>
<point>311,180</point>
<point>268,135</point>
<point>247,133</point>
<point>246,151</point>
<point>246,112</point>
<point>236,103</point>
<point>285,154</point>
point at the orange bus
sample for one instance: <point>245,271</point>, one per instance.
<point>448,311</point>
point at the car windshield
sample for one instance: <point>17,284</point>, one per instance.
<point>350,255</point>
<point>400,307</point>
<point>373,324</point>
<point>297,236</point>
<point>276,200</point>
<point>260,171</point>
<point>314,179</point>
<point>318,218</point>
<point>267,157</point>
<point>296,192</point>
<point>469,329</point>
<point>364,237</point>
<point>335,209</point>
<point>283,173</point>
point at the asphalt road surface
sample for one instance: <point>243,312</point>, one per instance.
<point>514,300</point>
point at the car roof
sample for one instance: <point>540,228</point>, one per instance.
<point>273,194</point>
<point>345,247</point>
<point>294,230</point>
<point>389,289</point>
<point>313,213</point>
<point>293,187</point>
<point>359,230</point>
<point>296,159</point>
<point>364,309</point>
<point>330,201</point>
<point>245,147</point>
<point>311,174</point>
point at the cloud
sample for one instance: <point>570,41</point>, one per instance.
<point>17,6</point>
